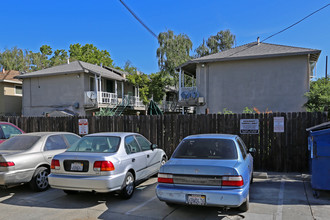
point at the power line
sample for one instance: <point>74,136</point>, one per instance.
<point>139,20</point>
<point>295,23</point>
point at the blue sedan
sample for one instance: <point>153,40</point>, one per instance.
<point>208,170</point>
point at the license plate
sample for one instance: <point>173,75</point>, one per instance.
<point>77,166</point>
<point>196,199</point>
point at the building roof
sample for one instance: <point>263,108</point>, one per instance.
<point>120,72</point>
<point>8,76</point>
<point>74,67</point>
<point>252,50</point>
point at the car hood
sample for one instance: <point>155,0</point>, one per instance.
<point>200,167</point>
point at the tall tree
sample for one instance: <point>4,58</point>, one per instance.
<point>319,95</point>
<point>173,51</point>
<point>202,50</point>
<point>141,81</point>
<point>223,40</point>
<point>157,86</point>
<point>90,54</point>
<point>129,67</point>
<point>59,57</point>
<point>40,60</point>
<point>15,59</point>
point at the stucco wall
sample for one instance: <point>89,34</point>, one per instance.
<point>10,103</point>
<point>46,94</point>
<point>274,84</point>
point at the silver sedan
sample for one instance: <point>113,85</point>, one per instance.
<point>26,158</point>
<point>106,162</point>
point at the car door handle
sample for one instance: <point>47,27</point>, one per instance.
<point>133,160</point>
<point>148,156</point>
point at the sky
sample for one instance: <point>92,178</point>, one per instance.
<point>108,25</point>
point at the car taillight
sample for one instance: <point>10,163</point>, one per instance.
<point>103,166</point>
<point>232,181</point>
<point>7,164</point>
<point>55,165</point>
<point>165,178</point>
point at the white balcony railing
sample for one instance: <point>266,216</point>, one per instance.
<point>108,98</point>
<point>91,99</point>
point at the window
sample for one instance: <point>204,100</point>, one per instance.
<point>144,143</point>
<point>96,144</point>
<point>18,90</point>
<point>131,146</point>
<point>206,148</point>
<point>242,148</point>
<point>109,86</point>
<point>9,131</point>
<point>55,142</point>
<point>21,142</point>
<point>71,138</point>
<point>91,84</point>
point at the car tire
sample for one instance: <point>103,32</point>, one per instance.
<point>39,181</point>
<point>251,181</point>
<point>245,206</point>
<point>128,186</point>
<point>170,204</point>
<point>70,192</point>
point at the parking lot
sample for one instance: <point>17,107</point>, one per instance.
<point>272,196</point>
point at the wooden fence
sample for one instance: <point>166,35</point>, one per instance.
<point>286,151</point>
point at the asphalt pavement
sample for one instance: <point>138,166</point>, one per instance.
<point>272,196</point>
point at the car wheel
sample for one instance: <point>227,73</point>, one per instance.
<point>128,186</point>
<point>245,206</point>
<point>39,181</point>
<point>70,192</point>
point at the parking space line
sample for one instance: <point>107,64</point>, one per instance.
<point>140,206</point>
<point>280,202</point>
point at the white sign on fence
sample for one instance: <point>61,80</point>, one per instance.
<point>83,126</point>
<point>249,126</point>
<point>278,124</point>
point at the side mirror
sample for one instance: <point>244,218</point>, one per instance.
<point>153,146</point>
<point>252,150</point>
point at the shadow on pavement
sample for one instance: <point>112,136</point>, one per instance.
<point>54,198</point>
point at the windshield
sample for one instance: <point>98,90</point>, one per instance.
<point>204,148</point>
<point>20,142</point>
<point>96,144</point>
